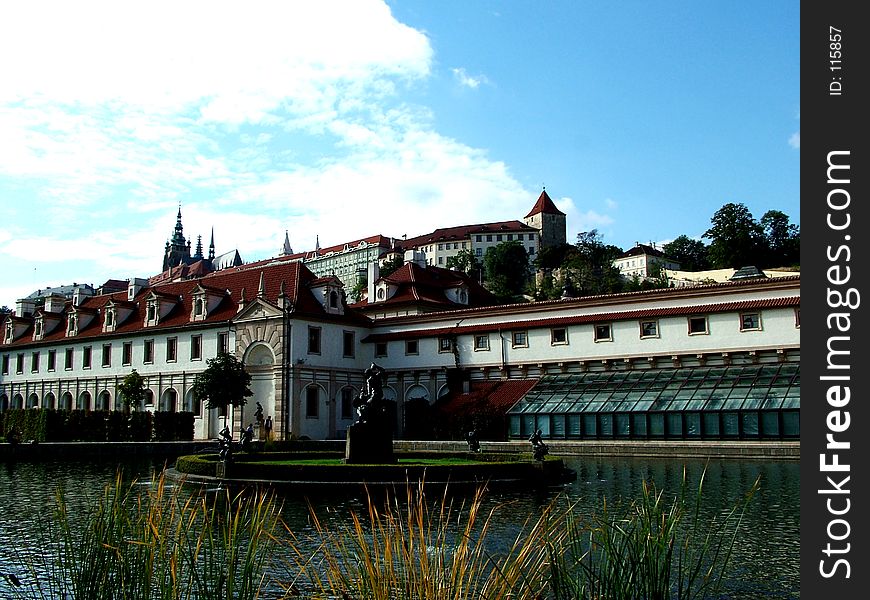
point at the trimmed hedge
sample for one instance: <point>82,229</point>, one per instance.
<point>50,425</point>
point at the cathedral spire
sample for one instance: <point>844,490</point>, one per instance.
<point>286,249</point>
<point>317,243</point>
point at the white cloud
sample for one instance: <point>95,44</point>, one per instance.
<point>795,140</point>
<point>466,80</point>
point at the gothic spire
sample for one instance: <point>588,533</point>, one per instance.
<point>211,246</point>
<point>286,250</point>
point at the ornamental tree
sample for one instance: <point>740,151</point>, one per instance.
<point>132,390</point>
<point>224,382</point>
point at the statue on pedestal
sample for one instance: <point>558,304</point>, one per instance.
<point>370,438</point>
<point>539,448</point>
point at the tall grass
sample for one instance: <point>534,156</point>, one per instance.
<point>158,542</point>
<point>653,549</point>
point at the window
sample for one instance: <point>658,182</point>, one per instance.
<point>110,319</point>
<point>478,251</point>
<point>171,349</point>
<point>312,402</point>
<point>72,325</point>
<point>223,342</point>
<point>440,246</point>
<point>19,364</point>
<point>797,317</point>
<point>520,339</point>
<point>68,359</point>
<point>481,342</point>
<point>510,237</point>
<point>531,237</point>
<point>445,345</point>
<point>750,322</point>
<point>649,329</point>
<point>603,333</point>
<point>127,353</point>
<point>107,355</point>
<point>314,340</point>
<point>5,364</point>
<point>34,362</point>
<point>333,299</point>
<point>52,360</point>
<point>558,336</point>
<point>440,260</point>
<point>697,325</point>
<point>380,349</point>
<point>347,403</point>
<point>412,347</point>
<point>498,237</point>
<point>348,343</point>
<point>198,308</point>
<point>478,238</point>
<point>86,357</point>
<point>149,352</point>
<point>489,238</point>
<point>196,347</point>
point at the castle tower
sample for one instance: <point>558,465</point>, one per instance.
<point>548,220</point>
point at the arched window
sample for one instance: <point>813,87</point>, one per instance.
<point>333,299</point>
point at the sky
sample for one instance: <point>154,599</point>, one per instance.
<point>339,120</point>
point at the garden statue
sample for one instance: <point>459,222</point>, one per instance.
<point>539,448</point>
<point>247,438</point>
<point>473,442</point>
<point>226,445</point>
<point>258,415</point>
<point>370,437</point>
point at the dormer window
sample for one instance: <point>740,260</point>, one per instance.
<point>110,320</point>
<point>198,308</point>
<point>38,329</point>
<point>72,326</point>
<point>10,333</point>
<point>333,299</point>
<point>151,312</point>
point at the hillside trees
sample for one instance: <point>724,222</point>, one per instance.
<point>507,270</point>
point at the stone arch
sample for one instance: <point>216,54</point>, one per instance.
<point>83,402</point>
<point>49,400</point>
<point>315,412</point>
<point>65,401</point>
<point>417,392</point>
<point>260,360</point>
<point>104,400</point>
<point>344,403</point>
<point>4,402</point>
<point>33,400</point>
<point>258,354</point>
<point>168,400</point>
<point>443,391</point>
<point>191,404</point>
<point>17,401</point>
<point>149,397</point>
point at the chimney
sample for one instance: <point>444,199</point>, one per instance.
<point>24,307</point>
<point>80,293</point>
<point>374,273</point>
<point>54,303</point>
<point>134,286</point>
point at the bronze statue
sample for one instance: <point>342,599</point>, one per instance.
<point>539,448</point>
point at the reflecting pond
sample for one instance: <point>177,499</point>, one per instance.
<point>765,564</point>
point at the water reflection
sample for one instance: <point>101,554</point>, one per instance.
<point>766,558</point>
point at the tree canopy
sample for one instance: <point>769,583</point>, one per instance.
<point>132,390</point>
<point>736,238</point>
<point>691,254</point>
<point>507,269</point>
<point>224,382</point>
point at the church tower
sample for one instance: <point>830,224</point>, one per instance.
<point>548,220</point>
<point>178,249</point>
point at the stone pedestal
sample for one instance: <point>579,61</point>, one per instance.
<point>368,443</point>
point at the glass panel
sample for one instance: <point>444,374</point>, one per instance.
<point>693,424</point>
<point>791,423</point>
<point>590,426</point>
<point>791,402</point>
<point>574,425</point>
<point>711,425</point>
<point>677,405</point>
<point>621,424</point>
<point>543,423</point>
<point>515,426</point>
<point>656,424</point>
<point>696,404</point>
<point>638,425</point>
<point>528,425</point>
<point>730,424</point>
<point>715,400</point>
<point>770,423</point>
<point>558,422</point>
<point>750,424</point>
<point>606,425</point>
<point>755,399</point>
<point>675,424</point>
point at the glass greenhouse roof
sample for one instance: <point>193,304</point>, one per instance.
<point>756,387</point>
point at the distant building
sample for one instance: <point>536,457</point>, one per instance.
<point>644,261</point>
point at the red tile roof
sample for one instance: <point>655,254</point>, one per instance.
<point>499,396</point>
<point>464,232</point>
<point>428,285</point>
<point>544,205</point>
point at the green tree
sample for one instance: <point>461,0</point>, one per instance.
<point>691,254</point>
<point>224,382</point>
<point>464,261</point>
<point>391,266</point>
<point>783,239</point>
<point>132,390</point>
<point>507,269</point>
<point>736,238</point>
<point>591,269</point>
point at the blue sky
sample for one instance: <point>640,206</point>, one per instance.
<point>349,119</point>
